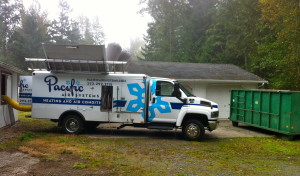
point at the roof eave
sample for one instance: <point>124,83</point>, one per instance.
<point>226,81</point>
<point>13,68</point>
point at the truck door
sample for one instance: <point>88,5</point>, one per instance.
<point>111,99</point>
<point>106,98</point>
<point>161,102</point>
<point>118,101</point>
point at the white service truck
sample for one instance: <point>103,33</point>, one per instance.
<point>81,101</point>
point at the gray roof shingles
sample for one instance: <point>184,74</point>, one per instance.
<point>201,71</point>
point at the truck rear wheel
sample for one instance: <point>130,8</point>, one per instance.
<point>73,124</point>
<point>193,130</point>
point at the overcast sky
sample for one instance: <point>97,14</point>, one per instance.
<point>120,19</point>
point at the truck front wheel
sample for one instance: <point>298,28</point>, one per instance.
<point>193,130</point>
<point>72,124</point>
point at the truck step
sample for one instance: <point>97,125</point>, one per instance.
<point>160,127</point>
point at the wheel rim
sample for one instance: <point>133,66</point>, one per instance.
<point>192,130</point>
<point>72,125</point>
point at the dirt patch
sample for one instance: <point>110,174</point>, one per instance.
<point>15,163</point>
<point>20,164</point>
<point>67,165</point>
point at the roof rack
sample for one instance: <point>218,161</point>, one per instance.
<point>75,58</point>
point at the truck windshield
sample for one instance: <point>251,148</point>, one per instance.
<point>187,93</point>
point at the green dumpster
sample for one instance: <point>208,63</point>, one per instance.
<point>277,111</point>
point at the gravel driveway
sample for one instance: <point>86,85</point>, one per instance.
<point>225,130</point>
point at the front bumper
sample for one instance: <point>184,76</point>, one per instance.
<point>213,124</point>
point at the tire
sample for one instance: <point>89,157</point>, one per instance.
<point>235,124</point>
<point>91,125</point>
<point>291,137</point>
<point>193,130</point>
<point>286,137</point>
<point>73,124</point>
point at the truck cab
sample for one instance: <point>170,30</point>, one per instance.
<point>171,103</point>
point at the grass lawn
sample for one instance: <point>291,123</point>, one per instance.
<point>149,156</point>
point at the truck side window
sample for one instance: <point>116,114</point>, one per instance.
<point>106,98</point>
<point>164,88</point>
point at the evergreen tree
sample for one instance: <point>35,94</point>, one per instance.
<point>74,35</point>
<point>97,32</point>
<point>91,32</point>
<point>177,30</point>
<point>233,36</point>
<point>135,49</point>
<point>278,56</point>
<point>64,30</point>
<point>86,31</point>
<point>28,38</point>
<point>10,13</point>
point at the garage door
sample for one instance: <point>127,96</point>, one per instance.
<point>221,95</point>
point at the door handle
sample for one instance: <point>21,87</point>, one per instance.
<point>153,100</point>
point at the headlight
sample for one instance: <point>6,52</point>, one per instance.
<point>205,103</point>
<point>215,114</point>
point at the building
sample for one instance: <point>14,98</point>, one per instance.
<point>210,81</point>
<point>9,86</point>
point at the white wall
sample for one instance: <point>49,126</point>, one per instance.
<point>196,87</point>
<point>15,95</point>
<point>221,94</point>
<point>7,114</point>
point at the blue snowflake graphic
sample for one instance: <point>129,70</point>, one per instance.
<point>77,83</point>
<point>136,104</point>
<point>68,82</point>
<point>161,106</point>
<point>153,86</point>
<point>136,90</point>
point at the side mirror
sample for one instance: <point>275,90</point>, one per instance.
<point>176,91</point>
<point>177,94</point>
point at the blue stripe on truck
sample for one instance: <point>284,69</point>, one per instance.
<point>25,95</point>
<point>119,103</point>
<point>179,105</point>
<point>74,101</point>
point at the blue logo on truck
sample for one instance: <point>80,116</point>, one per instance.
<point>136,104</point>
<point>136,90</point>
<point>72,85</point>
<point>22,85</point>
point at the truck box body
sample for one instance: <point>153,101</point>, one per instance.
<point>54,94</point>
